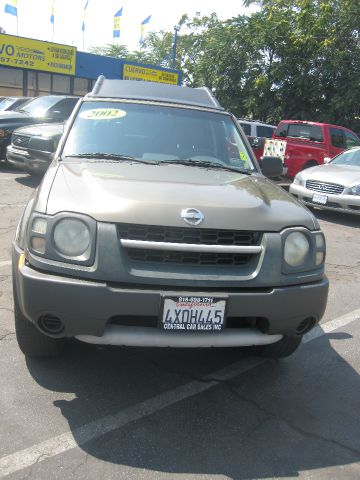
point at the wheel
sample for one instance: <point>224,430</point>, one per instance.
<point>283,348</point>
<point>31,341</point>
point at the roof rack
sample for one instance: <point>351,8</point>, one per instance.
<point>156,92</point>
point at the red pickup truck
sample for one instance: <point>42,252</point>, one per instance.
<point>303,144</point>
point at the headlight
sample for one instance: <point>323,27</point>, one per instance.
<point>355,190</point>
<point>303,250</point>
<point>3,133</point>
<point>296,249</point>
<point>298,180</point>
<point>65,237</point>
<point>71,237</point>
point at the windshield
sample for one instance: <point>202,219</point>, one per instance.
<point>39,106</point>
<point>6,102</point>
<point>349,158</point>
<point>156,134</point>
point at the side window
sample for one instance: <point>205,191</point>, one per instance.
<point>65,107</point>
<point>337,138</point>
<point>316,134</point>
<point>282,130</point>
<point>351,140</point>
<point>246,127</point>
<point>263,131</point>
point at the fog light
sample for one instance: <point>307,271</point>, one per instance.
<point>38,244</point>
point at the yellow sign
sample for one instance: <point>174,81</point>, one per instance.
<point>135,72</point>
<point>37,55</point>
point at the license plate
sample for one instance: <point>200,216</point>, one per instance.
<point>319,198</point>
<point>193,314</point>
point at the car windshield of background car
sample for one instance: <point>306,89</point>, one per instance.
<point>38,106</point>
<point>350,158</point>
<point>5,103</point>
<point>156,133</point>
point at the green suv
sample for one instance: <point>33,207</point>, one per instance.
<point>155,226</point>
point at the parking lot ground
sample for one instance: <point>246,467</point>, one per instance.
<point>166,414</point>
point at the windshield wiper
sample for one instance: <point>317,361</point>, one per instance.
<point>110,156</point>
<point>206,164</point>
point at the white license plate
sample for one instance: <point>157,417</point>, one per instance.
<point>319,198</point>
<point>193,314</point>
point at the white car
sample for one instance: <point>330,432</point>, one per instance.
<point>253,128</point>
<point>333,186</point>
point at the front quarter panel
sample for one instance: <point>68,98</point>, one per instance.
<point>44,188</point>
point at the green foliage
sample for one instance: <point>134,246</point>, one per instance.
<point>295,59</point>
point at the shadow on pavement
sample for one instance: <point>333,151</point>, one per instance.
<point>276,420</point>
<point>338,218</point>
<point>32,181</point>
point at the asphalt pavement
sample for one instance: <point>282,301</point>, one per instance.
<point>136,413</point>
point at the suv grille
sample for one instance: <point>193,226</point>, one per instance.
<point>197,236</point>
<point>323,187</point>
<point>204,236</point>
<point>20,141</point>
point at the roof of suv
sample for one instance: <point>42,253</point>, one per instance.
<point>156,92</point>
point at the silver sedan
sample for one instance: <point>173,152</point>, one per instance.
<point>334,186</point>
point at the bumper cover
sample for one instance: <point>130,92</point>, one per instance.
<point>338,203</point>
<point>85,307</point>
<point>27,161</point>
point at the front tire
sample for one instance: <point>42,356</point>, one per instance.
<point>281,349</point>
<point>31,341</point>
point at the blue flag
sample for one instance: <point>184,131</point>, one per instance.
<point>52,17</point>
<point>116,29</point>
<point>143,27</point>
<point>84,18</point>
<point>11,7</point>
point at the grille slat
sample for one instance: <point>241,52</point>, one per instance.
<point>323,187</point>
<point>196,236</point>
<point>188,258</point>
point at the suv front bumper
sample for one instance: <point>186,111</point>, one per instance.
<point>86,307</point>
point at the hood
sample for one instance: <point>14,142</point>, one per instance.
<point>42,130</point>
<point>16,118</point>
<point>156,195</point>
<point>345,175</point>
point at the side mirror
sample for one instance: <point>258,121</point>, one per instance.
<point>254,142</point>
<point>327,159</point>
<point>271,166</point>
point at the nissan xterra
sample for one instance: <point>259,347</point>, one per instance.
<point>155,226</point>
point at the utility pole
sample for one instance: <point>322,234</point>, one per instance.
<point>176,30</point>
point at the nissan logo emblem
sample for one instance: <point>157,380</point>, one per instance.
<point>192,216</point>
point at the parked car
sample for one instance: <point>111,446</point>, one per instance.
<point>257,132</point>
<point>51,108</point>
<point>146,231</point>
<point>334,186</point>
<point>12,103</point>
<point>32,148</point>
<point>303,145</point>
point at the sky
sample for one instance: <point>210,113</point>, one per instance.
<point>34,18</point>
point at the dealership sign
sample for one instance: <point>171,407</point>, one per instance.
<point>136,72</point>
<point>37,55</point>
